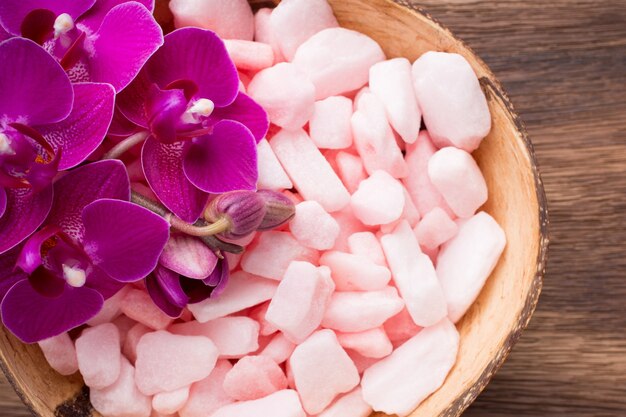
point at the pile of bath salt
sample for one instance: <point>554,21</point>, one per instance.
<point>351,307</point>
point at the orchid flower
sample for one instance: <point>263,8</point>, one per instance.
<point>46,125</point>
<point>93,242</point>
<point>105,41</point>
<point>202,130</point>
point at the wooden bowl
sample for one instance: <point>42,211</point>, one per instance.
<point>516,200</point>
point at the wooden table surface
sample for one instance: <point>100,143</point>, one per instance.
<point>563,62</point>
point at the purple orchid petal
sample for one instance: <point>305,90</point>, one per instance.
<point>13,12</point>
<point>124,239</point>
<point>26,211</point>
<point>132,100</point>
<point>46,283</point>
<point>189,257</point>
<point>9,273</point>
<point>35,89</point>
<point>165,290</point>
<point>85,128</point>
<point>33,317</point>
<point>165,108</point>
<point>3,201</point>
<point>4,35</point>
<point>208,65</point>
<point>219,278</point>
<point>120,125</point>
<point>38,25</point>
<point>100,281</point>
<point>225,160</point>
<point>163,167</point>
<point>83,186</point>
<point>128,36</point>
<point>30,257</point>
<point>246,111</point>
<point>94,17</point>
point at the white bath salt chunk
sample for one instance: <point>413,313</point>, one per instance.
<point>300,301</point>
<point>374,139</point>
<point>309,171</point>
<point>279,349</point>
<point>111,308</point>
<point>410,212</point>
<point>254,377</point>
<point>60,353</point>
<point>208,395</point>
<point>338,60</point>
<point>263,32</point>
<point>244,290</point>
<point>466,261</point>
<point>283,403</point>
<point>167,362</point>
<point>272,176</point>
<point>134,335</point>
<point>138,306</point>
<point>457,177</point>
<point>99,356</point>
<point>229,19</point>
<point>286,93</point>
<point>329,126</point>
<point>417,183</point>
<point>322,370</point>
<point>401,328</point>
<point>353,312</point>
<point>355,272</point>
<point>414,275</point>
<point>378,200</point>
<point>348,405</point>
<point>234,336</point>
<point>367,245</point>
<point>453,105</point>
<point>313,227</point>
<point>435,228</point>
<point>249,55</point>
<point>123,398</point>
<point>391,81</point>
<point>170,402</point>
<point>414,370</point>
<point>372,343</point>
<point>350,169</point>
<point>270,256</point>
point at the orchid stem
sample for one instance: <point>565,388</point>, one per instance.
<point>209,229</point>
<point>125,145</point>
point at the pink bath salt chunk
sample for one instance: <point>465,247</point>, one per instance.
<point>454,106</point>
<point>300,301</point>
<point>435,228</point>
<point>348,225</point>
<point>457,177</point>
<point>263,32</point>
<point>249,55</point>
<point>350,169</point>
<point>60,353</point>
<point>283,403</point>
<point>432,254</point>
<point>258,313</point>
<point>133,337</point>
<point>367,245</point>
<point>401,328</point>
<point>99,356</point>
<point>110,309</point>
<point>234,337</point>
<point>361,362</point>
<point>378,200</point>
<point>138,306</point>
<point>313,227</point>
<point>355,272</point>
<point>233,260</point>
<point>338,60</point>
<point>352,312</point>
<point>348,405</point>
<point>167,362</point>
<point>410,212</point>
<point>414,276</point>
<point>309,171</point>
<point>272,176</point>
<point>243,291</point>
<point>372,343</point>
<point>329,126</point>
<point>124,324</point>
<point>322,370</point>
<point>286,93</point>
<point>295,21</point>
<point>279,349</point>
<point>466,261</point>
<point>392,83</point>
<point>374,139</point>
<point>254,377</point>
<point>414,370</point>
<point>229,19</point>
<point>208,395</point>
<point>272,254</point>
<point>123,398</point>
<point>170,402</point>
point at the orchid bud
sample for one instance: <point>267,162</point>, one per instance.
<point>243,210</point>
<point>279,209</point>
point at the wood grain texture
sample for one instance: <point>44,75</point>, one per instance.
<point>563,63</point>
